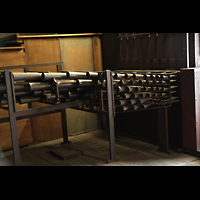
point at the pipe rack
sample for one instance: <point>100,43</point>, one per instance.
<point>162,85</point>
<point>100,98</point>
<point>32,112</point>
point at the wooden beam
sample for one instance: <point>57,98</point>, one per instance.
<point>97,54</point>
<point>12,48</point>
<point>31,65</point>
<point>57,35</point>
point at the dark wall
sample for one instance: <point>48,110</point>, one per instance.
<point>153,51</point>
<point>159,51</point>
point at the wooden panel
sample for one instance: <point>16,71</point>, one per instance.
<point>97,55</point>
<point>9,58</point>
<point>190,81</point>
<point>188,109</point>
<point>77,55</point>
<point>12,57</point>
<point>42,50</point>
<point>197,107</point>
<point>159,51</point>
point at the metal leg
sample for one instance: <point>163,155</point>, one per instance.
<point>163,130</point>
<point>12,117</point>
<point>111,115</point>
<point>64,127</point>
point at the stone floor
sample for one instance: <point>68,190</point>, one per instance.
<point>95,147</point>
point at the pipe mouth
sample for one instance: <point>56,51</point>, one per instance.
<point>87,74</point>
<point>119,75</point>
<point>67,75</point>
<point>135,107</point>
<point>133,101</point>
<point>43,76</point>
<point>124,108</point>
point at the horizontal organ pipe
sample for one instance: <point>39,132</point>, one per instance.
<point>133,101</point>
<point>92,74</point>
<point>144,100</point>
<point>24,93</point>
<point>76,75</point>
<point>126,95</point>
<point>29,99</point>
<point>66,83</point>
<point>84,82</point>
<point>125,108</point>
<point>17,86</point>
<point>27,76</point>
<point>121,102</point>
<point>39,86</point>
<point>49,76</point>
<point>50,96</point>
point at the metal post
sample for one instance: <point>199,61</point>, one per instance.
<point>163,130</point>
<point>12,117</point>
<point>111,115</point>
<point>64,127</point>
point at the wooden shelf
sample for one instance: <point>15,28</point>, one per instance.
<point>57,35</point>
<point>12,48</point>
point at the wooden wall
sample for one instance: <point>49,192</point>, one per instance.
<point>157,51</point>
<point>77,55</point>
<point>41,50</point>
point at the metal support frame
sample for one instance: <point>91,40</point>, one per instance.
<point>64,127</point>
<point>111,115</point>
<point>32,112</point>
<point>12,117</point>
<point>15,115</point>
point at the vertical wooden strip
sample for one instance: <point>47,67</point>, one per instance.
<point>97,54</point>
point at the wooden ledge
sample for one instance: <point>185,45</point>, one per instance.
<point>57,35</point>
<point>31,65</point>
<point>12,48</point>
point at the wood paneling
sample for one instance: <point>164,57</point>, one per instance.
<point>190,81</point>
<point>43,50</point>
<point>146,53</point>
<point>159,51</point>
<point>77,55</point>
<point>97,54</point>
<point>10,57</point>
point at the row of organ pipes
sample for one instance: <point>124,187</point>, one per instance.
<point>133,90</point>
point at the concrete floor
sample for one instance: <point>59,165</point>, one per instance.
<point>95,147</point>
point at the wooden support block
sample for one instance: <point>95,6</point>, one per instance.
<point>65,153</point>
